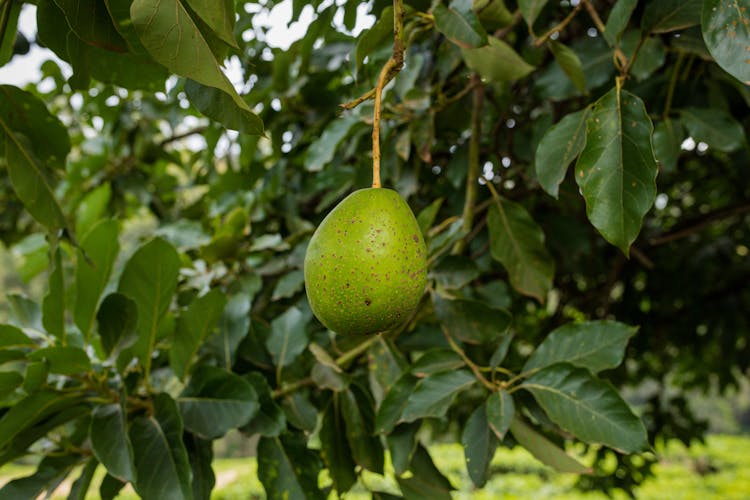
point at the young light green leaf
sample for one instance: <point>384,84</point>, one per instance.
<point>161,461</point>
<point>616,170</point>
<point>433,395</point>
<point>594,345</point>
<point>530,10</point>
<point>545,450</point>
<point>715,127</point>
<point>216,401</point>
<point>194,325</point>
<point>110,442</point>
<point>288,469</point>
<point>570,64</point>
<point>479,444</point>
<point>663,16</point>
<point>517,242</point>
<point>497,61</point>
<point>500,412</point>
<point>99,248</point>
<point>587,407</point>
<point>459,24</point>
<point>618,20</point>
<point>219,106</point>
<point>14,338</point>
<point>150,280</point>
<point>561,144</point>
<point>288,337</point>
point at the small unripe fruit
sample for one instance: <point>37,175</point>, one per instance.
<point>366,264</point>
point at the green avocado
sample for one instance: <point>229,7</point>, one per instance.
<point>366,264</point>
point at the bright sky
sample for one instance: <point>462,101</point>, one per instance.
<point>25,69</point>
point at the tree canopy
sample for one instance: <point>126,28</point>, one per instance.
<point>578,171</point>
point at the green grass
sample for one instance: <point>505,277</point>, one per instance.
<point>517,476</point>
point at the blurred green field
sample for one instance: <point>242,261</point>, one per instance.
<point>720,469</point>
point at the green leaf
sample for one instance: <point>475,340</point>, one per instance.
<point>118,319</point>
<point>201,456</point>
<point>618,20</point>
<point>14,338</point>
<point>561,144</point>
<point>427,216</point>
<point>668,136</point>
<point>530,10</point>
<point>235,322</point>
<point>517,242</point>
<point>436,360</point>
<point>594,345</point>
<point>433,395</point>
<point>219,16</point>
<point>194,326</point>
<point>35,376</point>
<point>288,285</point>
<point>110,487</point>
<point>110,442</point>
<point>587,407</point>
<point>497,61</point>
<point>545,450</point>
<point>220,107</point>
<point>454,272</point>
<point>335,450</point>
<point>326,377</point>
<point>651,56</point>
<point>288,469</point>
<point>90,21</point>
<point>427,482</point>
<point>459,24</point>
<point>150,280</point>
<point>49,473</point>
<point>269,421</point>
<point>386,364</point>
<point>715,127</point>
<point>53,305</point>
<point>616,170</point>
<point>65,360</point>
<point>378,37</point>
<point>479,444</point>
<point>500,412</point>
<point>322,150</point>
<point>216,401</point>
<point>31,410</point>
<point>402,442</point>
<point>161,461</point>
<point>80,487</point>
<point>8,383</point>
<point>91,208</point>
<point>26,125</point>
<point>288,337</point>
<point>9,12</point>
<point>471,321</point>
<point>393,404</point>
<point>25,312</point>
<point>358,416</point>
<point>99,248</point>
<point>570,64</point>
<point>300,412</point>
<point>596,61</point>
<point>662,16</point>
<point>173,39</point>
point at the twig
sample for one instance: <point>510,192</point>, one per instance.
<point>672,85</point>
<point>559,27</point>
<point>699,223</point>
<point>294,386</point>
<point>174,138</point>
<point>474,368</point>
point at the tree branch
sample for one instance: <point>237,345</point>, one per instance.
<point>558,27</point>
<point>175,138</point>
<point>699,223</point>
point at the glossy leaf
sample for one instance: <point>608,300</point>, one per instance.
<point>288,469</point>
<point>497,61</point>
<point>517,242</point>
<point>118,321</point>
<point>662,16</point>
<point>110,442</point>
<point>393,404</point>
<point>459,24</point>
<point>570,64</point>
<point>99,248</point>
<point>194,326</point>
<point>219,106</point>
<point>216,401</point>
<point>471,321</point>
<point>616,170</point>
<point>500,410</point>
<point>618,20</point>
<point>715,127</point>
<point>288,337</point>
<point>161,461</point>
<point>150,280</point>
<point>65,360</point>
<point>561,144</point>
<point>587,407</point>
<point>479,444</point>
<point>433,395</point>
<point>545,450</point>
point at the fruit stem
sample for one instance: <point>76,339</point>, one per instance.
<point>390,69</point>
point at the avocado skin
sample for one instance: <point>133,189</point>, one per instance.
<point>366,265</point>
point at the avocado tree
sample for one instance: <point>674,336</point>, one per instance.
<point>577,170</point>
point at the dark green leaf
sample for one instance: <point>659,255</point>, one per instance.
<point>502,351</point>
<point>110,442</point>
<point>300,412</point>
<point>386,364</point>
<point>427,482</point>
<point>118,318</point>
<point>587,407</point>
<point>479,444</point>
<point>596,61</point>
<point>150,280</point>
<point>616,170</point>
<point>433,395</point>
<point>322,150</point>
<point>402,442</point>
<point>594,345</point>
<point>459,24</point>
<point>194,326</point>
<point>216,401</point>
<point>288,337</point>
<point>454,272</point>
<point>500,412</point>
<point>35,376</point>
<point>201,455</point>
<point>497,61</point>
<point>288,285</point>
<point>288,469</point>
<point>269,421</point>
<point>31,410</point>
<point>8,382</point>
<point>53,305</point>
<point>335,450</point>
<point>545,450</point>
<point>366,448</point>
<point>80,487</point>
<point>471,321</point>
<point>393,404</point>
<point>426,217</point>
<point>570,64</point>
<point>110,487</point>
<point>65,360</point>
<point>561,144</point>
<point>326,377</point>
<point>436,360</point>
<point>668,136</point>
<point>530,10</point>
<point>715,127</point>
<point>618,20</point>
<point>662,16</point>
<point>25,312</point>
<point>9,12</point>
<point>650,58</point>
<point>517,242</point>
<point>99,248</point>
<point>49,473</point>
<point>14,338</point>
<point>377,37</point>
<point>161,461</point>
<point>219,16</point>
<point>235,322</point>
<point>220,106</point>
<point>90,21</point>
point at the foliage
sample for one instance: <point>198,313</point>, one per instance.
<point>169,215</point>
